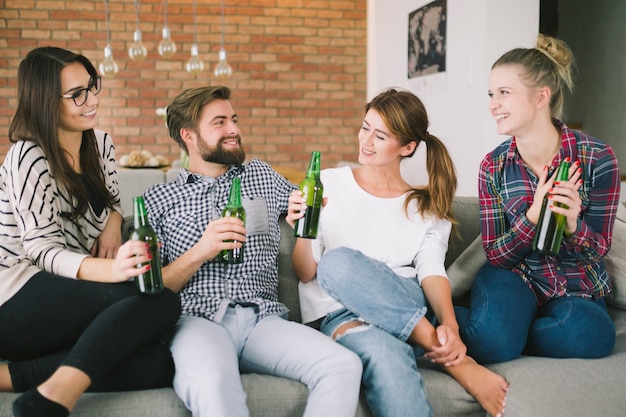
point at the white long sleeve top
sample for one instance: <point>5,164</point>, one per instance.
<point>412,246</point>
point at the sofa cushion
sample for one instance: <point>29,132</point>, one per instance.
<point>464,269</point>
<point>616,261</point>
<point>466,213</point>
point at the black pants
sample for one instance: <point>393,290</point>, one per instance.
<point>108,331</point>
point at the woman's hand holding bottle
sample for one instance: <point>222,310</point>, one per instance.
<point>297,207</point>
<point>547,186</point>
<point>566,193</point>
<point>129,255</point>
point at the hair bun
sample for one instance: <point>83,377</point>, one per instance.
<point>560,54</point>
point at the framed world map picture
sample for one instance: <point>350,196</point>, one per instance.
<point>427,40</point>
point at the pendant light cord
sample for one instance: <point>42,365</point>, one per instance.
<point>222,24</point>
<point>137,12</point>
<point>106,11</point>
<point>164,12</point>
<point>195,32</point>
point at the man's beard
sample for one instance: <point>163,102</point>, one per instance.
<point>219,155</point>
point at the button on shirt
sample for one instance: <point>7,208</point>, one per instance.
<point>506,190</point>
<point>180,211</point>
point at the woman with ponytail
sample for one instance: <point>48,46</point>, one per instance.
<point>523,301</point>
<point>374,278</point>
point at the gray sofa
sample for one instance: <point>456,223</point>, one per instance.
<point>538,386</point>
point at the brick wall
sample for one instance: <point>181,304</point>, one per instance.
<point>299,68</point>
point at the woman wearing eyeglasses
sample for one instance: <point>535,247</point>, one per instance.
<point>70,319</point>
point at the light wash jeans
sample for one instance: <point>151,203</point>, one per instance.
<point>391,306</point>
<point>504,321</point>
<point>209,357</point>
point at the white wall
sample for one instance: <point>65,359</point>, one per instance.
<point>478,32</point>
<point>597,35</point>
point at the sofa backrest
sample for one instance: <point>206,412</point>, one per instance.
<point>467,214</point>
<point>287,281</point>
<point>134,182</point>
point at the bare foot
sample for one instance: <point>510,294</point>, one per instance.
<point>486,386</point>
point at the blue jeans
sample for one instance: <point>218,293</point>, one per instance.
<point>390,306</point>
<point>504,322</point>
<point>209,357</point>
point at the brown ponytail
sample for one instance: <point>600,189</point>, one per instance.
<point>437,197</point>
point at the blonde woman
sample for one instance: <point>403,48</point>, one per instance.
<point>524,302</point>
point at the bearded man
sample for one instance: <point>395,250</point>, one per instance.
<point>232,320</point>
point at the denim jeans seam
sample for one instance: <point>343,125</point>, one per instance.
<point>406,333</point>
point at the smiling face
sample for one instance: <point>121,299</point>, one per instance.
<point>219,137</point>
<point>75,119</point>
<point>513,104</point>
<point>378,146</point>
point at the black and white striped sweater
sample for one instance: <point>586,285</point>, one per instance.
<point>33,234</point>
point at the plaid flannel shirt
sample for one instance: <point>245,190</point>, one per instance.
<point>506,189</point>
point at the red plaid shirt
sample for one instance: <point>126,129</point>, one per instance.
<point>506,189</point>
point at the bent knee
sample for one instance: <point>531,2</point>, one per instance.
<point>334,260</point>
<point>343,364</point>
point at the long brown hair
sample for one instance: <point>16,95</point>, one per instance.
<point>549,64</point>
<point>405,116</point>
<point>37,120</point>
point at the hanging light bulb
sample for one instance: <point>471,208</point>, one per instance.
<point>108,66</point>
<point>194,64</point>
<point>222,69</point>
<point>166,47</point>
<point>137,52</point>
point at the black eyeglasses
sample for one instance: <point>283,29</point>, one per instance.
<point>80,96</point>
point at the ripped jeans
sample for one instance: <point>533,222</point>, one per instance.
<point>389,306</point>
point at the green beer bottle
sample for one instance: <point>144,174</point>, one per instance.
<point>234,208</point>
<point>313,191</point>
<point>549,234</point>
<point>151,281</point>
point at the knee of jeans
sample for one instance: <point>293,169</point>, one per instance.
<point>342,364</point>
<point>583,326</point>
<point>332,262</point>
<point>349,364</point>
